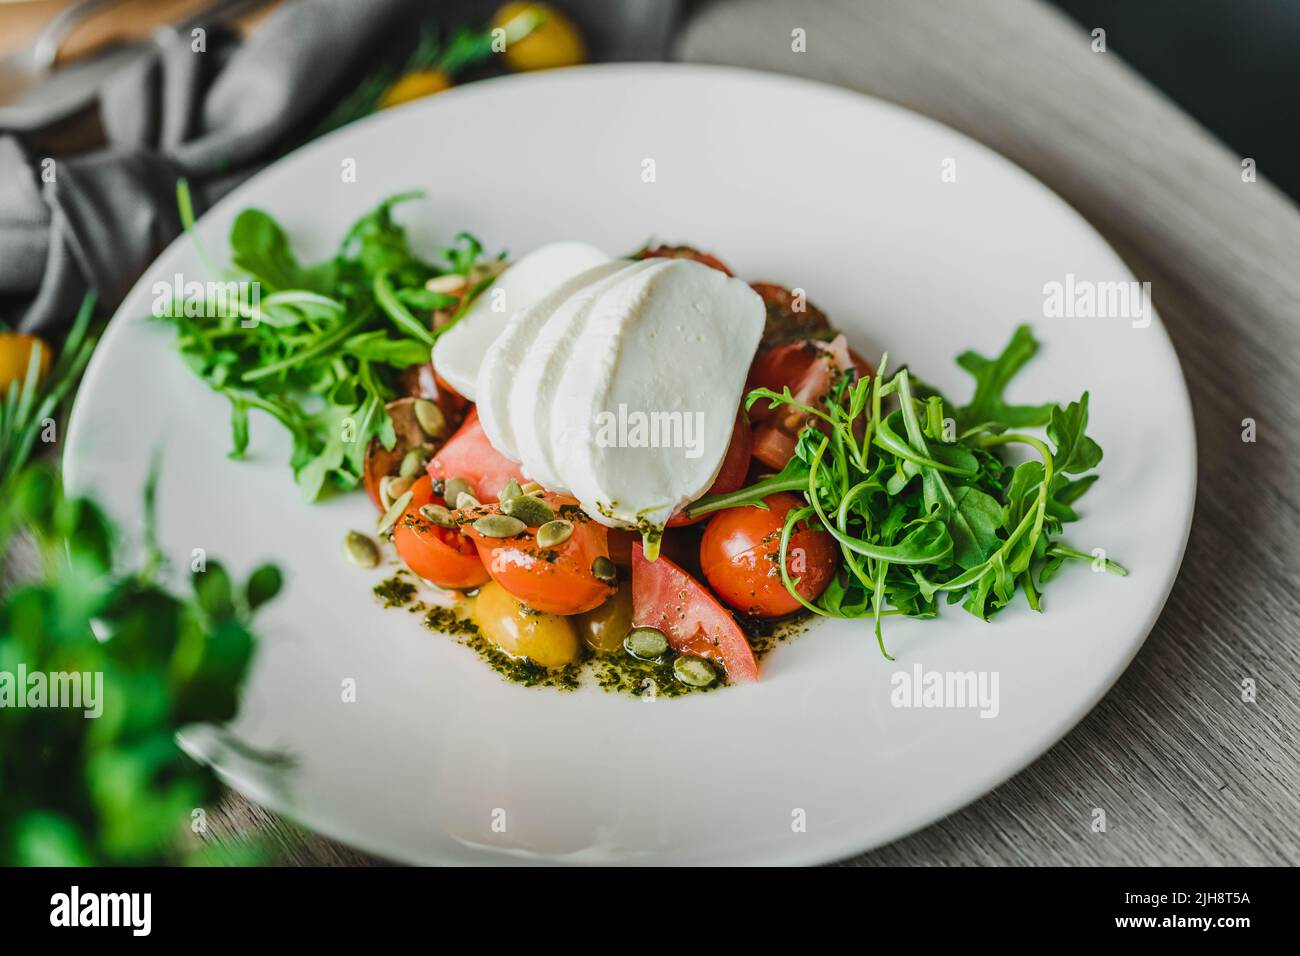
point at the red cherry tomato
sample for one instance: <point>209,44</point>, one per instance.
<point>740,557</point>
<point>808,369</point>
<point>731,475</point>
<point>444,556</point>
<point>667,598</point>
<point>555,580</point>
<point>469,455</point>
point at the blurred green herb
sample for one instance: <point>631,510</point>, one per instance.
<point>28,408</point>
<point>323,349</point>
<point>114,789</point>
<point>444,54</point>
<point>918,495</point>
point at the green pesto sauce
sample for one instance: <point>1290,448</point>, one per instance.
<point>615,673</point>
<point>395,591</point>
<point>764,635</point>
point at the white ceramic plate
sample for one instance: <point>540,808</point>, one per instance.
<point>440,761</point>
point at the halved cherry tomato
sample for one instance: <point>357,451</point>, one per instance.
<point>444,556</point>
<point>808,369</point>
<point>557,580</point>
<point>735,465</point>
<point>469,455</point>
<point>740,557</point>
<point>667,598</point>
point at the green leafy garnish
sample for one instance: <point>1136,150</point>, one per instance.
<point>919,496</point>
<point>322,349</point>
<point>27,408</point>
<point>95,776</point>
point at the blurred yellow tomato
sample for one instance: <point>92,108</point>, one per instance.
<point>16,353</point>
<point>546,639</point>
<point>553,41</point>
<point>413,86</point>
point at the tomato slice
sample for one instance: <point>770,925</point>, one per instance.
<point>808,369</point>
<point>555,580</point>
<point>740,552</point>
<point>469,455</point>
<point>444,556</point>
<point>731,475</point>
<point>667,598</point>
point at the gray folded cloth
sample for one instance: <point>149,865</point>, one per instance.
<point>96,221</point>
<point>216,118</point>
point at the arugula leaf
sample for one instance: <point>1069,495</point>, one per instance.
<point>991,379</point>
<point>1075,451</point>
<point>325,350</point>
<point>259,247</point>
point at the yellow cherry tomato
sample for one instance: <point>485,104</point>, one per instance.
<point>16,353</point>
<point>553,40</point>
<point>413,86</point>
<point>604,628</point>
<point>545,639</point>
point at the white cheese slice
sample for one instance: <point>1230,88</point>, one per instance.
<point>644,409</point>
<point>500,366</point>
<point>459,351</point>
<point>540,376</point>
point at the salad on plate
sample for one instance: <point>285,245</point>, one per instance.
<point>640,466</point>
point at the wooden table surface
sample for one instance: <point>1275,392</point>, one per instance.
<point>123,21</point>
<point>1186,770</point>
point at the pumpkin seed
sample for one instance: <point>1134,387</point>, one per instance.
<point>361,550</point>
<point>533,512</point>
<point>452,488</point>
<point>509,490</point>
<point>602,569</point>
<point>694,671</point>
<point>413,463</point>
<point>437,514</point>
<point>449,284</point>
<point>554,533</point>
<point>532,488</point>
<point>391,486</point>
<point>394,512</point>
<point>498,526</point>
<point>466,500</point>
<point>647,643</point>
<point>430,418</point>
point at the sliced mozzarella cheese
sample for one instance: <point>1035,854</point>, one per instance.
<point>501,362</point>
<point>644,410</point>
<point>560,342</point>
<point>459,351</point>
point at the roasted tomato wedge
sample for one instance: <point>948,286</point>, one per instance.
<point>469,455</point>
<point>740,558</point>
<point>789,318</point>
<point>421,381</point>
<point>808,369</point>
<point>685,252</point>
<point>731,476</point>
<point>667,598</point>
<point>411,438</point>
<point>444,556</point>
<point>557,580</point>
